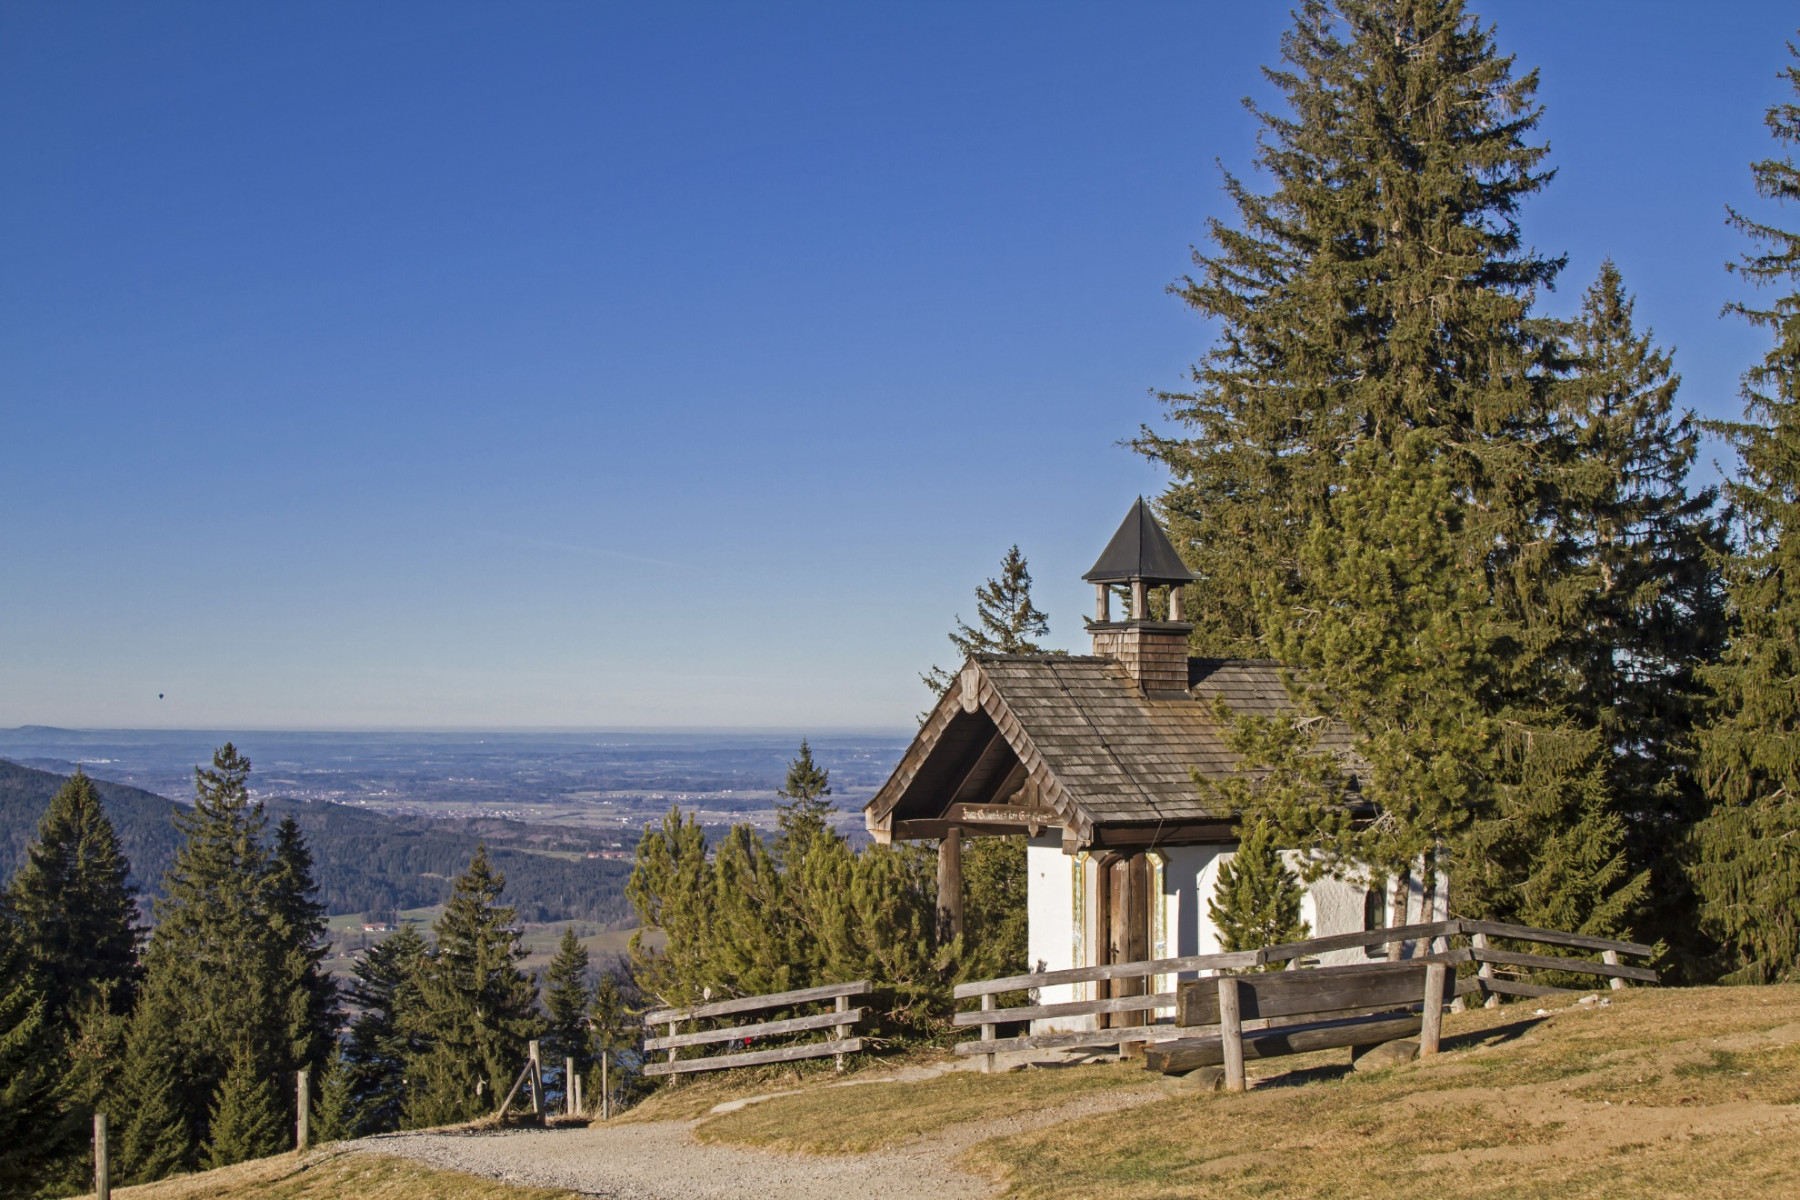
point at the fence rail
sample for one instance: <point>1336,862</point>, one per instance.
<point>1428,943</point>
<point>840,1021</point>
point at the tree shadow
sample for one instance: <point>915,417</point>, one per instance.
<point>1494,1035</point>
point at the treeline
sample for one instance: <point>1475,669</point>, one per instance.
<point>366,861</point>
<point>1471,526</point>
<point>190,1038</point>
<point>804,908</point>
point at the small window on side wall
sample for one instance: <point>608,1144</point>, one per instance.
<point>1375,906</point>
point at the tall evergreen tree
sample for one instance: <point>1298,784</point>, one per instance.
<point>380,1046</point>
<point>1370,449</point>
<point>1256,901</point>
<point>1747,851</point>
<point>297,920</point>
<point>566,1001</point>
<point>225,972</point>
<point>25,1067</point>
<point>1636,579</point>
<point>803,810</point>
<point>476,1009</point>
<point>334,1107</point>
<point>77,921</point>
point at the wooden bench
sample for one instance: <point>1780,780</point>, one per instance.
<point>1320,1009</point>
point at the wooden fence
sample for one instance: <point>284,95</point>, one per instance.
<point>840,1021</point>
<point>1497,975</point>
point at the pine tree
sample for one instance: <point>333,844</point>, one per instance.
<point>334,1115</point>
<point>297,920</point>
<point>1256,901</point>
<point>996,907</point>
<point>614,1029</point>
<point>476,1009</point>
<point>1747,851</point>
<point>77,921</point>
<point>566,1002</point>
<point>26,1048</point>
<point>379,1047</point>
<point>803,810</point>
<point>1371,447</point>
<point>1636,579</point>
<point>1007,621</point>
<point>220,972</point>
<point>671,889</point>
<point>246,1119</point>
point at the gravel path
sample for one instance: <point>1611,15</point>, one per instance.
<point>661,1160</point>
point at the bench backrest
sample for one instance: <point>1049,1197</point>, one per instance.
<point>1320,991</point>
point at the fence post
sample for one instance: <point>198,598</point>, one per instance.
<point>537,1081</point>
<point>987,1033</point>
<point>568,1087</point>
<point>840,1032</point>
<point>674,1028</point>
<point>605,1090</point>
<point>302,1107</point>
<point>1611,959</point>
<point>1433,1026</point>
<point>1480,942</point>
<point>102,1160</point>
<point>1231,1033</point>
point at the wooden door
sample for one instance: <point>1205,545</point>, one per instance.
<point>1126,888</point>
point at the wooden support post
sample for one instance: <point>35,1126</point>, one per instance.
<point>1433,1026</point>
<point>1611,958</point>
<point>102,1160</point>
<point>1140,600</point>
<point>840,1032</point>
<point>1231,1033</point>
<point>302,1107</point>
<point>570,1107</point>
<point>950,884</point>
<point>537,1081</point>
<point>674,1030</point>
<point>605,1090</point>
<point>987,1033</point>
<point>580,1108</point>
<point>1102,604</point>
<point>1480,942</point>
<point>1397,899</point>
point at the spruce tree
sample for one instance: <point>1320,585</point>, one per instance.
<point>334,1105</point>
<point>246,1119</point>
<point>476,1009</point>
<point>297,920</point>
<point>1256,901</point>
<point>615,1031</point>
<point>26,1061</point>
<point>1371,446</point>
<point>77,921</point>
<point>803,810</point>
<point>1746,856</point>
<point>566,1001</point>
<point>156,1134</point>
<point>1007,622</point>
<point>1636,578</point>
<point>379,1046</point>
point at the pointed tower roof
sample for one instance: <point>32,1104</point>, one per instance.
<point>1140,550</point>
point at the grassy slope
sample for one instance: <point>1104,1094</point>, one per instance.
<point>331,1175</point>
<point>1691,1091</point>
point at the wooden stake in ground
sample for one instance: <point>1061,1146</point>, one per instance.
<point>605,1091</point>
<point>569,1108</point>
<point>102,1160</point>
<point>1231,1033</point>
<point>1433,1025</point>
<point>302,1107</point>
<point>537,1081</point>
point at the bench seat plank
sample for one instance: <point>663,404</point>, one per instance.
<point>1187,1054</point>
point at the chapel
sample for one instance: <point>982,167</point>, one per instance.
<point>1093,758</point>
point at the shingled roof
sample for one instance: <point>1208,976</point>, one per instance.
<point>1139,550</point>
<point>1076,736</point>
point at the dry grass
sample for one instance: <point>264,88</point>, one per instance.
<point>1690,1092</point>
<point>334,1175</point>
<point>851,1120</point>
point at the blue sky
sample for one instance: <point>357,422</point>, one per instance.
<point>386,366</point>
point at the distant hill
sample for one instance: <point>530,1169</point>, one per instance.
<point>365,861</point>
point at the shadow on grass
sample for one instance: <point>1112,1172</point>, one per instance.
<point>1494,1035</point>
